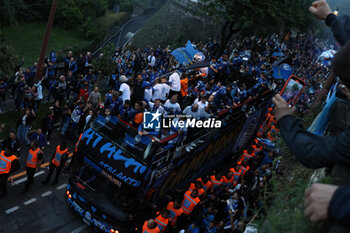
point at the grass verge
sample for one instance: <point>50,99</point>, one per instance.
<point>27,38</point>
<point>10,119</point>
<point>285,204</point>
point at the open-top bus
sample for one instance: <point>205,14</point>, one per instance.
<point>116,179</point>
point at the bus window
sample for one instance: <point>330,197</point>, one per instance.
<point>103,190</point>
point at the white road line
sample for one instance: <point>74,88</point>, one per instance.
<point>25,178</point>
<point>39,173</point>
<point>61,186</point>
<point>13,209</point>
<point>79,229</point>
<point>18,181</point>
<point>30,201</point>
<point>46,194</point>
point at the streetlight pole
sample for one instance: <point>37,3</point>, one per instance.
<point>46,40</point>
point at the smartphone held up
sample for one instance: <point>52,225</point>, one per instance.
<point>292,90</point>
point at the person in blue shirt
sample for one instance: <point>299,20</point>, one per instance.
<point>126,112</point>
<point>223,65</point>
<point>145,75</point>
<point>236,61</point>
<point>117,101</point>
<point>72,66</point>
<point>213,68</point>
<point>243,94</point>
<point>39,137</point>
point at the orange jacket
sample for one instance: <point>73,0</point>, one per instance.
<point>174,213</point>
<point>184,87</point>
<point>189,203</point>
<point>145,229</point>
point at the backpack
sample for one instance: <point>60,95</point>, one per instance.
<point>339,119</point>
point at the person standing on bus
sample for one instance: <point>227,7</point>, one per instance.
<point>150,227</point>
<point>34,160</point>
<point>8,164</point>
<point>58,161</point>
<point>175,211</point>
<point>162,219</point>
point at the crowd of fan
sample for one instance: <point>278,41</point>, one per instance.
<point>150,80</point>
<point>225,201</point>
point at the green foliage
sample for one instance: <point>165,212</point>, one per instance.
<point>8,59</point>
<point>105,63</point>
<point>285,211</point>
<point>254,17</point>
<point>8,11</point>
<point>127,6</point>
<point>80,14</point>
<point>174,25</point>
<point>111,4</point>
<point>10,119</point>
<point>29,46</point>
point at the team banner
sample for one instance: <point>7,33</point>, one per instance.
<point>282,71</point>
<point>248,131</point>
<point>185,55</point>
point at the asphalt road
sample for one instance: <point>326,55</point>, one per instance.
<point>43,208</point>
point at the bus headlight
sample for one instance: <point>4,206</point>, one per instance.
<point>114,231</point>
<point>68,194</point>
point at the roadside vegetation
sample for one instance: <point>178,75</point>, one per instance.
<point>284,203</point>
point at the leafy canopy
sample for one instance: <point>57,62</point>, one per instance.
<point>259,17</point>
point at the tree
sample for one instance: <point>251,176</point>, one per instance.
<point>256,17</point>
<point>104,63</point>
<point>8,59</point>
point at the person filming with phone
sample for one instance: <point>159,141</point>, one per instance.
<point>323,201</point>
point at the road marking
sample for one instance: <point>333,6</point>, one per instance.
<point>24,172</point>
<point>13,209</point>
<point>61,186</point>
<point>79,229</point>
<point>25,178</point>
<point>46,194</point>
<point>38,173</point>
<point>30,201</point>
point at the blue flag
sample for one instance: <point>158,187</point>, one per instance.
<point>282,71</point>
<point>181,56</point>
<point>185,55</point>
<point>190,50</point>
<point>53,56</point>
<point>278,54</point>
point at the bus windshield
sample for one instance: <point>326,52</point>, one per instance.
<point>114,196</point>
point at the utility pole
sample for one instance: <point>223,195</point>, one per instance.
<point>46,40</point>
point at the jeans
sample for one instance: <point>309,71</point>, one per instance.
<point>65,126</point>
<point>22,133</point>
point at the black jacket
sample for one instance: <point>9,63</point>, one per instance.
<point>340,26</point>
<point>13,144</point>
<point>316,152</point>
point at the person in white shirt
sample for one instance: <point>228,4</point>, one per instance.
<point>151,60</point>
<point>193,112</point>
<point>202,103</point>
<point>147,96</point>
<point>157,91</point>
<point>156,106</point>
<point>165,91</point>
<point>175,83</point>
<point>124,88</point>
<point>171,106</point>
